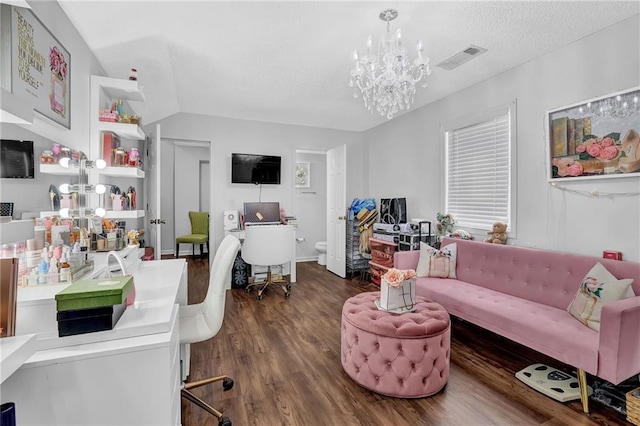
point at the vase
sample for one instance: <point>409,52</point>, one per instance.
<point>58,94</point>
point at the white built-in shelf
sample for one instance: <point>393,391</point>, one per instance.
<point>124,214</point>
<point>123,130</point>
<point>130,172</point>
<point>117,88</point>
<point>14,352</point>
<point>57,169</point>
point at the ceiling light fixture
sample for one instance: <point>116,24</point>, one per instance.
<point>385,78</point>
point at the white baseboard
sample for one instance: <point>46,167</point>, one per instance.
<point>307,259</point>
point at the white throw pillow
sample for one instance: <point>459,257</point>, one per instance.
<point>598,288</point>
<point>437,263</point>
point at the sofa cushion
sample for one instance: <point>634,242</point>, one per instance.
<point>598,288</point>
<point>437,263</point>
<point>543,328</point>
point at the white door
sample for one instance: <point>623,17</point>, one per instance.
<point>336,209</point>
<point>154,235</point>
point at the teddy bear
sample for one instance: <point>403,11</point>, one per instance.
<point>498,235</point>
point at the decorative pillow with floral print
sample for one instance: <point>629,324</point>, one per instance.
<point>598,288</point>
<point>437,263</point>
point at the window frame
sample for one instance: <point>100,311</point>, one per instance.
<point>471,120</point>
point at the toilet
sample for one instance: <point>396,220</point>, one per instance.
<point>321,246</point>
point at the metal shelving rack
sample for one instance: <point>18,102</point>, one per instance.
<point>356,262</point>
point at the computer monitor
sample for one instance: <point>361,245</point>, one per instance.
<point>262,213</point>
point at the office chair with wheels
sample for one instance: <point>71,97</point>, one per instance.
<point>199,233</point>
<point>268,245</point>
<point>202,321</point>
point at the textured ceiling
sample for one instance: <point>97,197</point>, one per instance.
<point>289,62</point>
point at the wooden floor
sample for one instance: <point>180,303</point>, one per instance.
<point>284,356</point>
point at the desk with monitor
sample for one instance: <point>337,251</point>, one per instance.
<point>266,214</point>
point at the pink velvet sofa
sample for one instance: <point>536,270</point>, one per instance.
<point>523,294</point>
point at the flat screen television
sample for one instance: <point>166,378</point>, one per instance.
<point>16,159</point>
<point>256,169</point>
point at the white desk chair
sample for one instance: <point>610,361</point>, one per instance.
<point>267,245</point>
<point>202,321</point>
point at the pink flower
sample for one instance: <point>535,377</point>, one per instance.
<point>555,162</point>
<point>63,70</point>
<point>609,152</point>
<point>575,169</point>
<point>594,150</point>
<point>607,142</point>
<point>581,148</point>
<point>395,277</point>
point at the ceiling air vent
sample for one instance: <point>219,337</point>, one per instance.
<point>461,57</point>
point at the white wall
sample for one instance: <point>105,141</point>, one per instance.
<point>233,135</point>
<point>32,195</point>
<point>311,206</point>
<point>406,156</point>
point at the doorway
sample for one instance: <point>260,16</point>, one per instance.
<point>310,200</point>
<point>185,167</point>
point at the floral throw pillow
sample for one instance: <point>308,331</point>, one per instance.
<point>598,288</point>
<point>437,263</point>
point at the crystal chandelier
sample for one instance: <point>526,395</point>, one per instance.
<point>385,77</point>
<point>620,106</point>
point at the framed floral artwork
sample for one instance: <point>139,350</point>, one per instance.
<point>303,175</point>
<point>40,65</point>
<point>597,138</point>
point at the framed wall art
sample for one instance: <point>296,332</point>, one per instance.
<point>597,138</point>
<point>40,66</point>
<point>303,175</point>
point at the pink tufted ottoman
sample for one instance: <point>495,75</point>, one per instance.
<point>403,355</point>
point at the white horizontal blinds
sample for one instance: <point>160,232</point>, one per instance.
<point>478,167</point>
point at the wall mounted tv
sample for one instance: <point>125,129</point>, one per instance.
<point>256,169</point>
<point>16,159</point>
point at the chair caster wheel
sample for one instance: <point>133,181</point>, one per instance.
<point>247,290</point>
<point>227,384</point>
<point>287,294</point>
<point>259,297</point>
<point>224,422</point>
<point>288,286</point>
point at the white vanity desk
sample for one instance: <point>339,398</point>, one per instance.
<point>128,375</point>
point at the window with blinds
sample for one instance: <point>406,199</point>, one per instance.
<point>478,172</point>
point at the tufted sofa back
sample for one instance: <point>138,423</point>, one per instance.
<point>542,276</point>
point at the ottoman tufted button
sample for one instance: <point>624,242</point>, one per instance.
<point>399,347</point>
<point>389,363</point>
<point>377,345</point>
<point>377,378</point>
<point>400,381</point>
<point>413,365</point>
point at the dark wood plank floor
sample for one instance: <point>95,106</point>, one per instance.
<point>284,356</point>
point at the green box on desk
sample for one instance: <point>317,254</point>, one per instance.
<point>94,293</point>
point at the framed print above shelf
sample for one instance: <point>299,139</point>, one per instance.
<point>40,65</point>
<point>597,138</point>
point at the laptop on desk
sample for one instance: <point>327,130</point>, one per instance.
<point>262,213</point>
